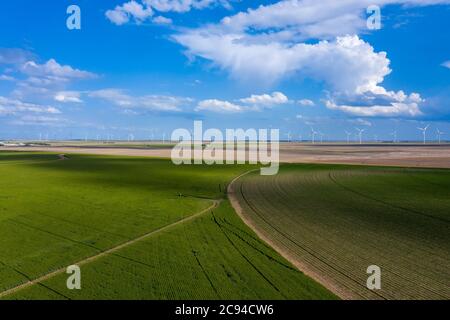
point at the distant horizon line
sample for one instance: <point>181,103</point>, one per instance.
<point>385,141</point>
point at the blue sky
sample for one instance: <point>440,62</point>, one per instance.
<point>147,67</point>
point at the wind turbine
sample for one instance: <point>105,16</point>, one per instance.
<point>424,132</point>
<point>348,136</point>
<point>288,136</point>
<point>394,134</point>
<point>360,132</point>
<point>321,136</point>
<point>130,137</point>
<point>439,133</point>
<point>192,136</point>
<point>313,135</point>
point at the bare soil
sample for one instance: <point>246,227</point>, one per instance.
<point>437,156</point>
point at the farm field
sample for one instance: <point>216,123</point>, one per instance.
<point>139,228</point>
<point>334,221</point>
<point>385,154</point>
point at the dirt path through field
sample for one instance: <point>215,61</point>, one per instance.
<point>214,205</point>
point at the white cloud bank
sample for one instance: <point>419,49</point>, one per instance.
<point>253,103</point>
<point>347,64</point>
<point>378,102</point>
<point>180,5</point>
<point>395,109</point>
<point>13,106</point>
<point>141,11</point>
<point>147,102</point>
<point>219,106</point>
<point>47,80</point>
<point>14,56</point>
<point>446,64</point>
<point>306,103</point>
<point>268,44</point>
<point>44,121</point>
<point>162,20</point>
<point>129,10</point>
<point>52,70</point>
<point>5,77</point>
<point>266,99</point>
<point>68,97</point>
<point>37,87</point>
<point>311,19</point>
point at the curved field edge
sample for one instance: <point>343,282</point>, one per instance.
<point>333,221</point>
<point>233,196</point>
<point>214,255</point>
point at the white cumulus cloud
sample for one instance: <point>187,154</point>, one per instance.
<point>68,96</point>
<point>146,102</point>
<point>312,19</point>
<point>347,64</point>
<point>161,20</point>
<point>254,102</point>
<point>266,99</point>
<point>14,106</point>
<point>306,103</point>
<point>220,106</point>
<point>179,5</point>
<point>140,11</point>
<point>52,69</point>
<point>361,122</point>
<point>377,102</point>
<point>305,39</point>
<point>394,109</point>
<point>129,10</point>
<point>45,80</point>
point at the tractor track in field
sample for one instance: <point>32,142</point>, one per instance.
<point>205,273</point>
<point>248,260</point>
<point>225,229</point>
<point>112,250</point>
<point>333,179</point>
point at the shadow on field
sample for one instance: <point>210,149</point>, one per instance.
<point>159,175</point>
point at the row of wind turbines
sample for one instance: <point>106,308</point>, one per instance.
<point>439,133</point>
<point>108,137</point>
<point>360,132</point>
<point>314,134</point>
